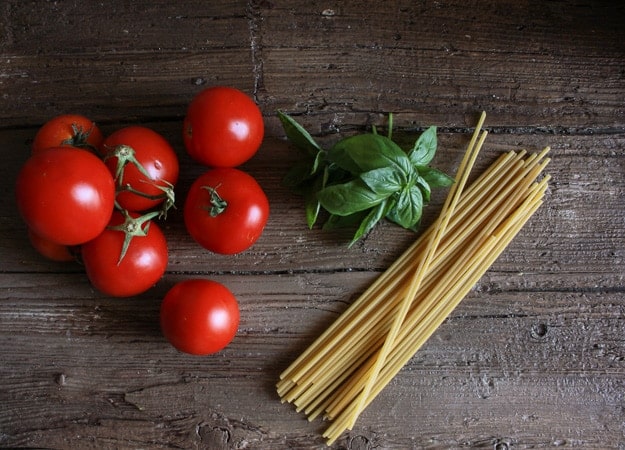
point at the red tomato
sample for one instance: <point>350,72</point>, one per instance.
<point>153,153</point>
<point>68,130</point>
<point>223,127</point>
<point>142,265</point>
<point>51,250</point>
<point>199,316</point>
<point>65,195</point>
<point>226,210</point>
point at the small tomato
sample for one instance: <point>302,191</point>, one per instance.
<point>226,210</point>
<point>65,195</point>
<point>51,250</point>
<point>72,130</point>
<point>128,257</point>
<point>199,316</point>
<point>145,167</point>
<point>223,127</point>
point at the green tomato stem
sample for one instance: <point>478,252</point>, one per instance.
<point>218,204</point>
<point>79,138</point>
<point>132,227</point>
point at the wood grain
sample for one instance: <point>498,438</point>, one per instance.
<point>534,357</point>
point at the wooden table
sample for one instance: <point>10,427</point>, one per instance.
<point>534,357</point>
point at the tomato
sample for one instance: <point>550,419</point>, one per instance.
<point>223,127</point>
<point>226,210</point>
<point>136,146</point>
<point>65,195</point>
<point>120,274</point>
<point>51,250</point>
<point>68,130</point>
<point>199,316</point>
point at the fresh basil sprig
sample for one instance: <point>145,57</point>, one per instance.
<point>363,178</point>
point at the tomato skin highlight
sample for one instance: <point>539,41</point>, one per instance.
<point>142,266</point>
<point>65,195</point>
<point>223,127</point>
<point>68,130</point>
<point>157,157</point>
<point>199,316</point>
<point>241,222</point>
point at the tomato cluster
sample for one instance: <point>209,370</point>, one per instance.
<point>82,193</point>
<point>97,199</point>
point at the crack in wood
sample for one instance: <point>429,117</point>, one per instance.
<point>254,16</point>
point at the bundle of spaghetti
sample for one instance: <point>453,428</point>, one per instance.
<point>360,353</point>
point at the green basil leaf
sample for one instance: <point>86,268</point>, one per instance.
<point>424,148</point>
<point>365,152</point>
<point>312,208</point>
<point>318,162</point>
<point>434,177</point>
<point>299,173</point>
<point>383,181</point>
<point>298,135</point>
<point>371,219</point>
<point>348,221</point>
<point>311,204</point>
<point>348,198</point>
<point>408,209</point>
<point>425,189</point>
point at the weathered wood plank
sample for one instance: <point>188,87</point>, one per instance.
<point>99,59</point>
<point>522,62</point>
<point>101,28</point>
<point>551,355</point>
<point>345,66</point>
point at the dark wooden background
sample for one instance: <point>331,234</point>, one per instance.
<point>534,357</point>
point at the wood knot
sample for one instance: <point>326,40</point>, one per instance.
<point>539,331</point>
<point>60,379</point>
<point>214,436</point>
<point>359,443</point>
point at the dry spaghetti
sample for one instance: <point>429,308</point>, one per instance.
<point>361,352</point>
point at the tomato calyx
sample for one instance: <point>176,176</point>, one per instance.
<point>125,155</point>
<point>218,204</point>
<point>132,227</point>
<point>80,138</point>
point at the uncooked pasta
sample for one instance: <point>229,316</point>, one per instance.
<point>368,344</point>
